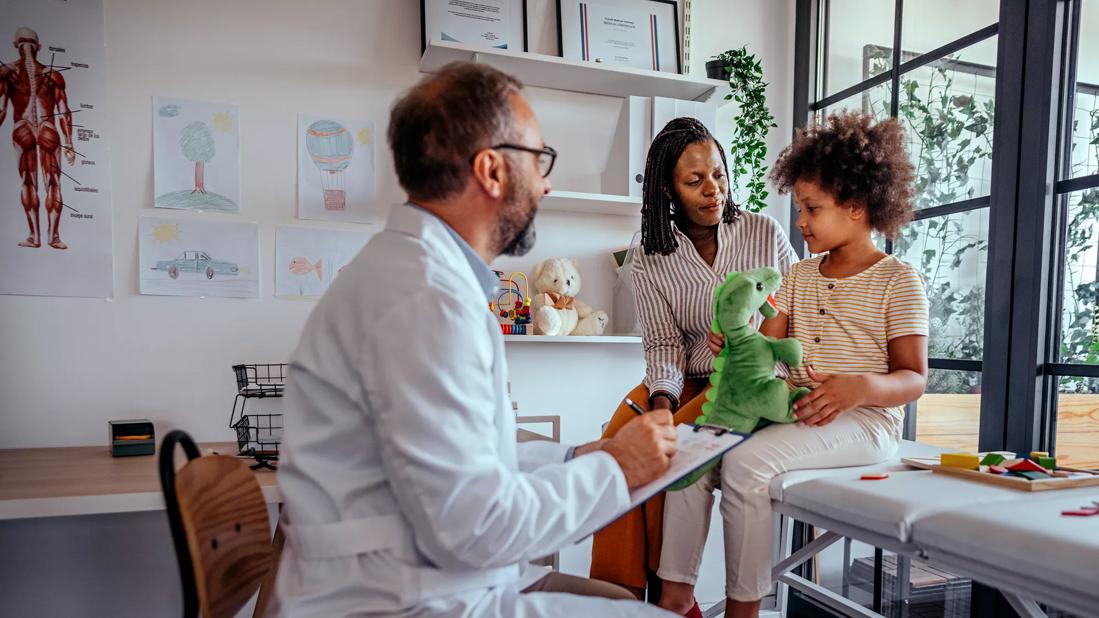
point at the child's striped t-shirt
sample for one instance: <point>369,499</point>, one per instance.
<point>845,325</point>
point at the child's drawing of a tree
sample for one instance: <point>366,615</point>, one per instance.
<point>205,135</point>
<point>196,140</point>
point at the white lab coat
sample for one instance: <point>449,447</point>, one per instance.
<point>405,491</point>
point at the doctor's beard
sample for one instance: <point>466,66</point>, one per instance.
<point>515,229</point>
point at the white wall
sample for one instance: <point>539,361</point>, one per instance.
<point>72,364</point>
<point>81,362</point>
<point>84,361</point>
<point>767,28</point>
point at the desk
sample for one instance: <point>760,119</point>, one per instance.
<point>86,480</point>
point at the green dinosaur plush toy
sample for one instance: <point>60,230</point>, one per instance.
<point>744,390</point>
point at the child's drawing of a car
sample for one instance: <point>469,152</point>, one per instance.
<point>196,262</point>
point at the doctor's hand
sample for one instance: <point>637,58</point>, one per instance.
<point>643,447</point>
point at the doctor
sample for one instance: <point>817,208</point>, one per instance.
<point>405,491</point>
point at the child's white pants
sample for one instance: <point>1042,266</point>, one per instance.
<point>857,437</point>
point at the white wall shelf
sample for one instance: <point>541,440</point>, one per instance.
<point>553,72</point>
<point>571,339</point>
<point>595,203</point>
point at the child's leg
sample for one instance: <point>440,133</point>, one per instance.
<point>857,437</point>
<point>686,525</point>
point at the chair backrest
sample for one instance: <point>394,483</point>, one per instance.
<point>219,525</point>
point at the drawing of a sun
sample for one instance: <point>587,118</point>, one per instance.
<point>223,122</point>
<point>166,232</point>
<point>363,137</point>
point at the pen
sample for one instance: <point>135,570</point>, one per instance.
<point>634,407</point>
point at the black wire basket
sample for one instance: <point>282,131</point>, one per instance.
<point>260,380</point>
<point>258,435</point>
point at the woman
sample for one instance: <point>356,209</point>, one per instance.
<point>693,235</point>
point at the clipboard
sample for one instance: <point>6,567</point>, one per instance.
<point>697,446</point>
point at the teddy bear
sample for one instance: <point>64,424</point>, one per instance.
<point>555,310</point>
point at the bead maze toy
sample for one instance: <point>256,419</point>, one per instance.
<point>514,312</point>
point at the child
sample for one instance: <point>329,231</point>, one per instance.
<point>861,318</point>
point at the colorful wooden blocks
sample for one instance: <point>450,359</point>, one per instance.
<point>1049,463</point>
<point>1026,465</point>
<point>992,459</point>
<point>1031,475</point>
<point>967,461</point>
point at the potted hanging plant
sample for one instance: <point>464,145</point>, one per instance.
<point>716,68</point>
<point>753,121</point>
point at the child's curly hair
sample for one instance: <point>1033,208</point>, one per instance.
<point>854,159</point>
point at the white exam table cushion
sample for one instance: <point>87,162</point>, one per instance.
<point>1028,536</point>
<point>889,507</point>
<point>907,448</point>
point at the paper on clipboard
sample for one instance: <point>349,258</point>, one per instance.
<point>695,448</point>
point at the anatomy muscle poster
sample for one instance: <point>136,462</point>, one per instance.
<point>55,172</point>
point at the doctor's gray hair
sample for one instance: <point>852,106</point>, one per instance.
<point>441,122</point>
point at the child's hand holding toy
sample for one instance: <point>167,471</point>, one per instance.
<point>836,394</point>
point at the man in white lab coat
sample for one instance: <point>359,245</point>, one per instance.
<point>405,491</point>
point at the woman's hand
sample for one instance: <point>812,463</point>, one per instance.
<point>715,341</point>
<point>836,394</point>
<point>660,402</point>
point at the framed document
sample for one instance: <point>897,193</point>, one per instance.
<point>492,24</point>
<point>643,34</point>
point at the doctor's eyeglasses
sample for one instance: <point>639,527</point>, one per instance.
<point>546,156</point>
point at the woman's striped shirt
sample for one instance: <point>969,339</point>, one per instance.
<point>675,295</point>
<point>845,325</point>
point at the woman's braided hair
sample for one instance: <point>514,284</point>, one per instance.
<point>659,209</point>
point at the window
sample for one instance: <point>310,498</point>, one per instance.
<point>850,26</point>
<point>1075,357</point>
<point>1084,159</point>
<point>946,101</point>
<point>938,77</point>
<point>1001,102</point>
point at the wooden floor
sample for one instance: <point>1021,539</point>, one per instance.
<point>953,421</point>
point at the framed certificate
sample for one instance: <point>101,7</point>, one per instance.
<point>492,24</point>
<point>643,34</point>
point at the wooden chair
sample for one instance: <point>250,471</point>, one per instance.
<point>218,519</point>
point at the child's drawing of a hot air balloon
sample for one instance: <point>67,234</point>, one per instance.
<point>330,145</point>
